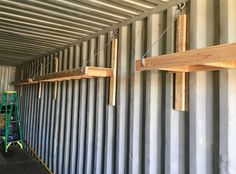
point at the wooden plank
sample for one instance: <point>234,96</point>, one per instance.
<point>55,85</point>
<point>24,82</point>
<point>181,88</point>
<point>99,72</point>
<point>40,84</point>
<point>227,64</point>
<point>87,72</point>
<point>112,92</point>
<point>21,78</point>
<point>194,68</point>
<point>220,53</point>
<point>180,97</point>
<point>181,33</point>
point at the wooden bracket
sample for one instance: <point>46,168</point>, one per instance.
<point>55,84</point>
<point>40,84</point>
<point>21,87</point>
<point>181,80</point>
<point>112,93</point>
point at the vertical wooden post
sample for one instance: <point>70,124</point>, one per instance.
<point>181,79</point>
<point>40,84</point>
<point>21,78</point>
<point>112,93</point>
<point>55,85</point>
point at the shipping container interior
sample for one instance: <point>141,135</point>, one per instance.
<point>118,87</point>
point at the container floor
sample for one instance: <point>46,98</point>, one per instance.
<point>17,161</point>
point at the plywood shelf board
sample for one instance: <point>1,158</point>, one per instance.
<point>204,59</point>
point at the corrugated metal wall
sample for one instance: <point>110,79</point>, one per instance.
<point>7,76</point>
<point>79,133</point>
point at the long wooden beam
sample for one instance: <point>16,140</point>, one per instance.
<point>209,58</point>
<point>87,72</point>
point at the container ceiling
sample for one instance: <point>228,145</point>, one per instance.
<point>30,29</point>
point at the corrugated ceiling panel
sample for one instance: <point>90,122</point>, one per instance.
<point>30,29</point>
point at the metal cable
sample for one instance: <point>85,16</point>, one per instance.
<point>95,55</point>
<point>178,12</point>
<point>114,34</point>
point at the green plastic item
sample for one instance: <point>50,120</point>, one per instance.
<point>12,118</point>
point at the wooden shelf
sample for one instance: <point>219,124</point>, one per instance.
<point>205,59</point>
<point>75,74</point>
<point>82,73</point>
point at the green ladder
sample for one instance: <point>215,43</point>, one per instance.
<point>12,119</point>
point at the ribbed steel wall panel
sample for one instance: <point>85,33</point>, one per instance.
<point>7,76</point>
<point>79,133</point>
